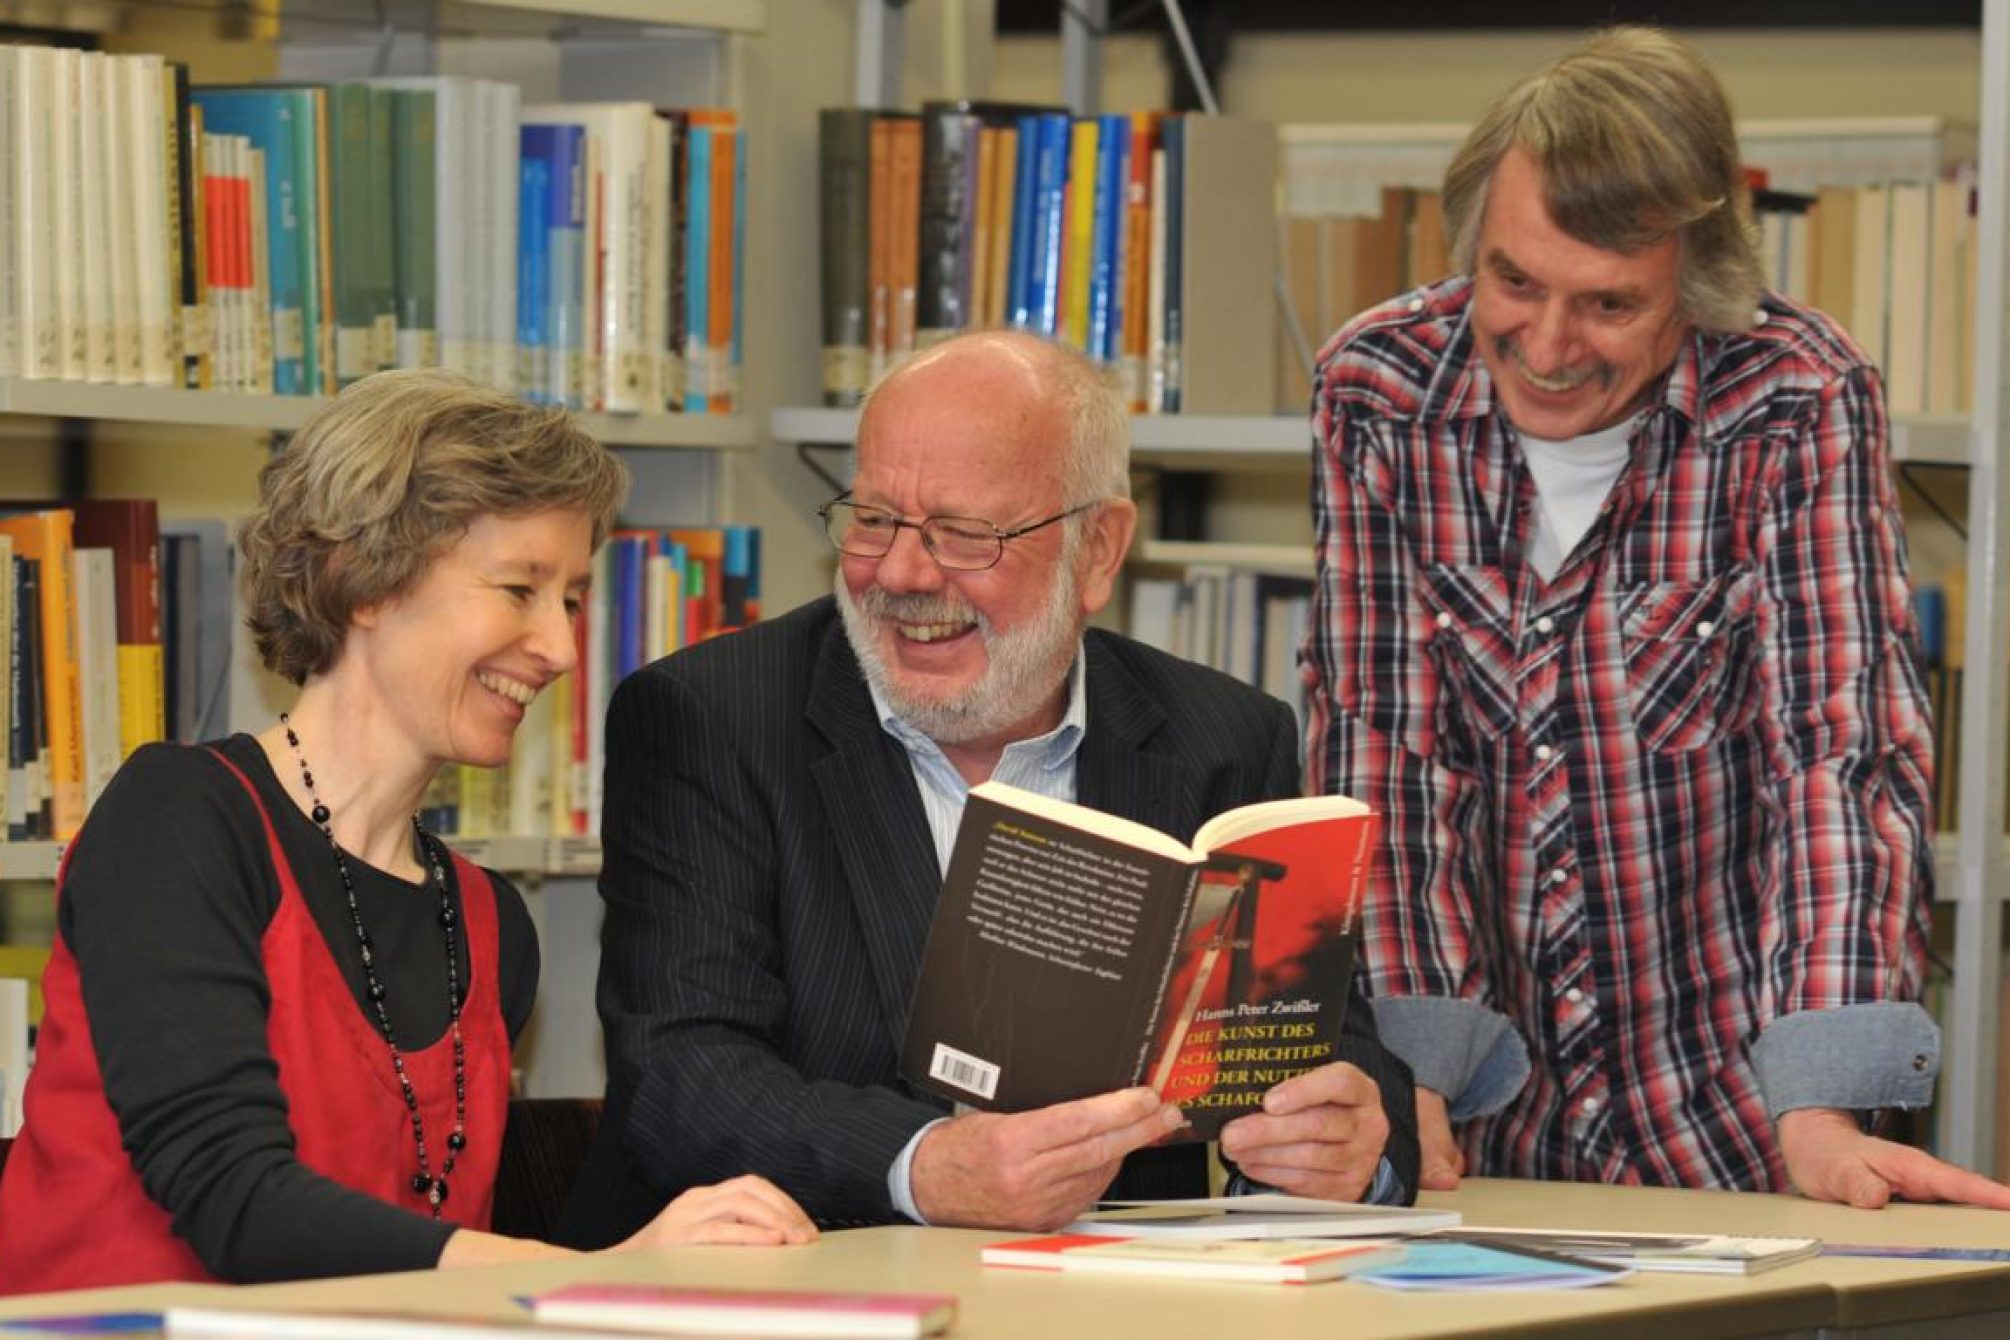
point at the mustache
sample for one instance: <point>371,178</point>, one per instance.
<point>1566,379</point>
<point>917,607</point>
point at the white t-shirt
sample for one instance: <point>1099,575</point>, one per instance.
<point>1572,478</point>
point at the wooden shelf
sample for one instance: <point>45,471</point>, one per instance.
<point>283,414</point>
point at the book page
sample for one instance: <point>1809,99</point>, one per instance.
<point>1111,826</point>
<point>1244,821</point>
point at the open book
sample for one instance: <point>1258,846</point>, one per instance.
<point>1074,952</point>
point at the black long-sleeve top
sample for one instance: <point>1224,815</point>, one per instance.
<point>169,890</point>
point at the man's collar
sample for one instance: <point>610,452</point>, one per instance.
<point>1061,740</point>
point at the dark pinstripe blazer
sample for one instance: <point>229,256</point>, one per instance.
<point>769,878</point>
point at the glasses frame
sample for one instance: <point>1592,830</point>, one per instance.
<point>920,528</point>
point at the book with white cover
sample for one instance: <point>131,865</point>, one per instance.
<point>154,302</point>
<point>94,166</point>
<point>33,168</point>
<point>1265,1215</point>
<point>1685,1253</point>
<point>501,118</point>
<point>68,238</point>
<point>10,356</point>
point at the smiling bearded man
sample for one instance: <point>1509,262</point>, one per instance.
<point>781,803</point>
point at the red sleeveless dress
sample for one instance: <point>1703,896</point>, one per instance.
<point>72,1211</point>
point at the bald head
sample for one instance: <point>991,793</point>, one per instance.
<point>1021,384</point>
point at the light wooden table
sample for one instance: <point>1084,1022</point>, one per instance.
<point>1885,1299</point>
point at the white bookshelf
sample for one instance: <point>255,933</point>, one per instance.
<point>1188,441</point>
<point>284,414</point>
<point>1291,560</point>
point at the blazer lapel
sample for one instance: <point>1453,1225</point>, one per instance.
<point>882,835</point>
<point>1114,771</point>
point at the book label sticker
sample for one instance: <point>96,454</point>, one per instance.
<point>964,1071</point>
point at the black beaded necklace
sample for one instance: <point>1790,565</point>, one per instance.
<point>434,1189</point>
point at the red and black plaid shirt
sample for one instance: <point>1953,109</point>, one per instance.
<point>1645,809</point>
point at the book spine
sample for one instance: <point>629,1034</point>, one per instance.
<point>1049,221</point>
<point>504,115</point>
<point>68,242</point>
<point>844,199</point>
<point>34,214</point>
<point>153,290</point>
<point>382,262</point>
<point>1079,257</point>
<point>93,168</point>
<point>946,139</point>
<point>655,260</point>
<point>1173,135</point>
<point>414,148</point>
<point>566,192</point>
<point>258,312</point>
<point>10,275</point>
<point>721,398</point>
<point>533,268</point>
<point>674,369</point>
<point>698,274</point>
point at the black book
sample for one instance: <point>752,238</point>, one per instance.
<point>1074,953</point>
<point>28,814</point>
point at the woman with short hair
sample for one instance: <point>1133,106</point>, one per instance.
<point>279,1012</point>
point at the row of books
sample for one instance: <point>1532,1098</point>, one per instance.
<point>1896,264</point>
<point>989,215</point>
<point>116,635</point>
<point>654,591</point>
<point>1244,623</point>
<point>289,239</point>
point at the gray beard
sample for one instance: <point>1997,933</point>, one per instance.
<point>1023,669</point>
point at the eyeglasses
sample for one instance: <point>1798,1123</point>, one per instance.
<point>962,543</point>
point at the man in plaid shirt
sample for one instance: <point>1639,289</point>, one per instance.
<point>1612,625</point>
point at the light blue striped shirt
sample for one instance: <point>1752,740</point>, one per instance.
<point>1044,764</point>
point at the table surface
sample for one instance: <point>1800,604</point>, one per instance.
<point>1842,1293</point>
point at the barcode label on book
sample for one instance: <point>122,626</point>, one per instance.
<point>965,1072</point>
